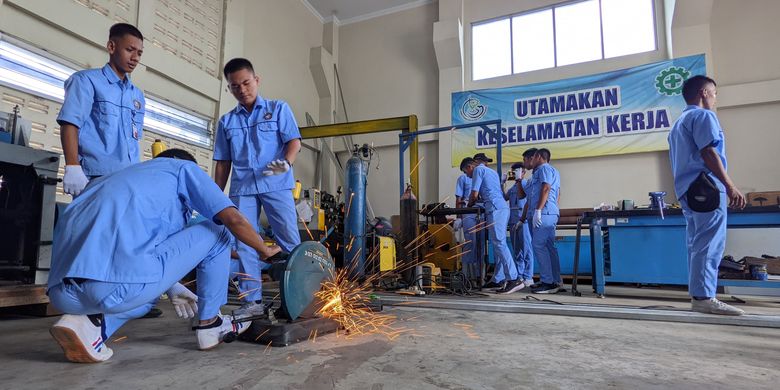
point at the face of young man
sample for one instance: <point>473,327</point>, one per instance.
<point>709,96</point>
<point>528,162</point>
<point>125,53</point>
<point>243,84</point>
<point>469,170</point>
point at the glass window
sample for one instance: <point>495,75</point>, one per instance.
<point>32,73</point>
<point>629,27</point>
<point>491,49</point>
<point>577,33</point>
<point>533,41</point>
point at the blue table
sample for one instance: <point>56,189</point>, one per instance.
<point>637,246</point>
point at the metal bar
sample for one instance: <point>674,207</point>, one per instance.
<point>360,127</point>
<point>580,310</point>
<point>461,126</point>
<point>414,158</point>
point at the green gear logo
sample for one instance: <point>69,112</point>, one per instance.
<point>670,81</point>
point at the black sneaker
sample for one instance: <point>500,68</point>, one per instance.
<point>511,286</point>
<point>153,313</point>
<point>492,284</point>
<point>547,288</point>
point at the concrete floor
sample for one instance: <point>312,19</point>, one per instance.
<point>444,350</point>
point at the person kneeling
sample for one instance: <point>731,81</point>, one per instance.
<point>125,241</point>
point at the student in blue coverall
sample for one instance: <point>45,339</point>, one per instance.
<point>542,209</point>
<point>472,249</point>
<point>125,241</point>
<point>697,146</point>
<point>519,233</point>
<point>102,117</point>
<point>259,140</point>
<point>487,185</point>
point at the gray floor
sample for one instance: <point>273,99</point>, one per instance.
<point>443,350</point>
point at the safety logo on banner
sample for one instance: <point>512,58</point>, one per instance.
<point>669,81</point>
<point>472,110</point>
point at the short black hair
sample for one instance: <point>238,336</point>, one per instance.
<point>119,30</point>
<point>693,85</point>
<point>237,64</point>
<point>516,165</point>
<point>466,161</point>
<point>545,153</point>
<point>530,152</point>
<point>179,154</point>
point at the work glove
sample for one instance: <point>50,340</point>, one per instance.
<point>519,173</point>
<point>74,180</point>
<point>183,300</point>
<point>457,225</point>
<point>276,167</point>
<point>538,218</point>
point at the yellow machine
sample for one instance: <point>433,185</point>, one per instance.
<point>430,278</point>
<point>439,250</point>
<point>386,254</point>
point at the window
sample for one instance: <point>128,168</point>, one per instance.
<point>32,73</point>
<point>564,34</point>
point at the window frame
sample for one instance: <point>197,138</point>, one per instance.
<point>654,10</point>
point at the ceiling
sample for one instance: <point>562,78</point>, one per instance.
<point>350,11</point>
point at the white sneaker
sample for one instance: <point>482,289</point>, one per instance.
<point>250,309</point>
<point>714,306</point>
<point>80,339</point>
<point>210,336</point>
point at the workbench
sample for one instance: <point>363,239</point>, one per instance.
<point>638,246</point>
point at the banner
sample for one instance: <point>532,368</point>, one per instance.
<point>625,111</point>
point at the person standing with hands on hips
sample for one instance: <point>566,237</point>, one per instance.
<point>102,117</point>
<point>258,141</point>
<point>697,150</point>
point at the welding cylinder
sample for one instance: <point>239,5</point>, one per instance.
<point>355,215</point>
<point>409,230</point>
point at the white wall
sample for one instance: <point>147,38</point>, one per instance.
<point>276,37</point>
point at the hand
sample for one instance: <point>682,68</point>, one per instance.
<point>183,300</point>
<point>74,180</point>
<point>519,173</point>
<point>503,178</point>
<point>538,218</point>
<point>736,199</point>
<point>276,167</point>
<point>457,225</point>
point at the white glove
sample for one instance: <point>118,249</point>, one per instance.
<point>457,225</point>
<point>74,180</point>
<point>519,173</point>
<point>538,218</point>
<point>183,300</point>
<point>276,167</point>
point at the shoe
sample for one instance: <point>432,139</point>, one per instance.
<point>209,336</point>
<point>529,283</point>
<point>714,306</point>
<point>512,286</point>
<point>492,284</point>
<point>250,309</point>
<point>547,288</point>
<point>81,339</point>
<point>153,313</point>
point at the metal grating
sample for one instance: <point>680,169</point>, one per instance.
<point>125,11</point>
<point>190,30</point>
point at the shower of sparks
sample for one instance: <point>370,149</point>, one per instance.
<point>306,225</point>
<point>346,302</point>
<point>416,165</point>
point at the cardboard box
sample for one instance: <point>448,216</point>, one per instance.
<point>765,198</point>
<point>772,265</point>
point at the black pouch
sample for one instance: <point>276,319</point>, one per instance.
<point>703,195</point>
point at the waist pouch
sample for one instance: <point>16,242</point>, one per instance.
<point>703,195</point>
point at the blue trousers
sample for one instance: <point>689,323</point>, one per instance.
<point>505,264</point>
<point>545,252</point>
<point>472,259</point>
<point>706,239</point>
<point>204,245</point>
<point>523,254</point>
<point>279,207</point>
